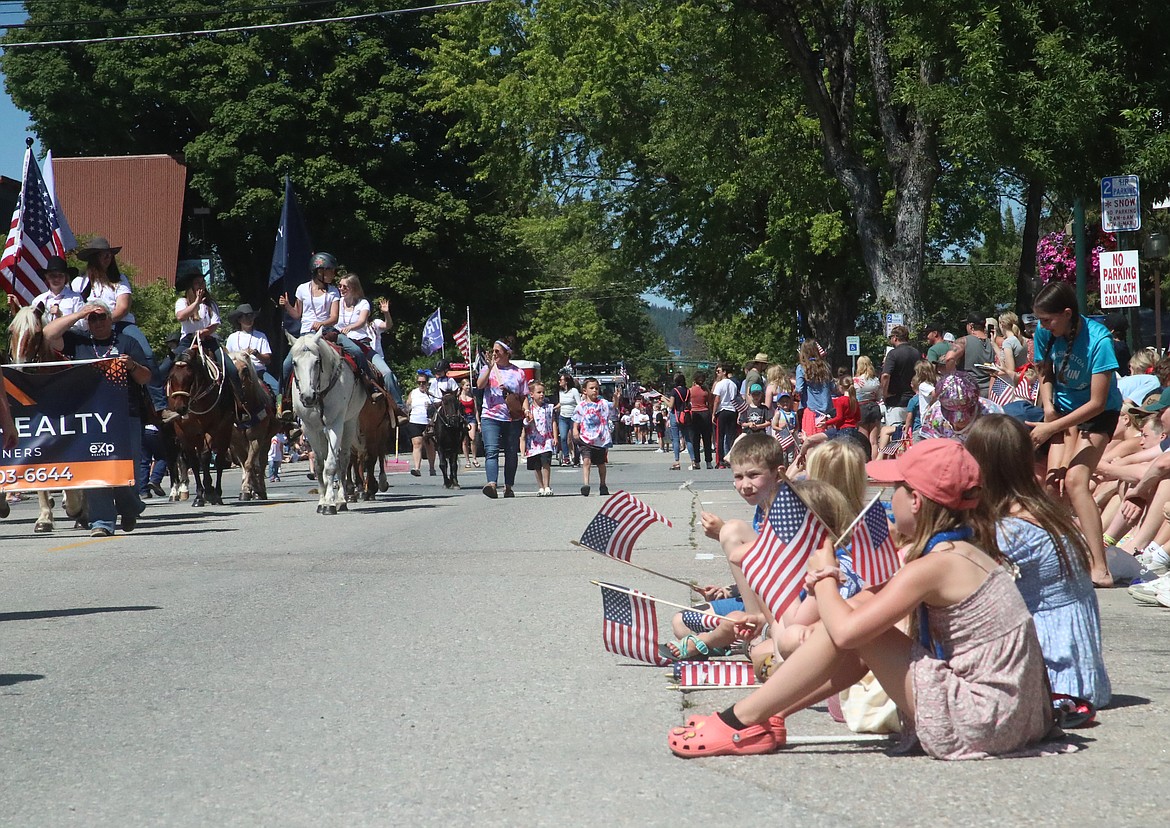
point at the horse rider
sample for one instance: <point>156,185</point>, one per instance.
<point>198,316</point>
<point>317,304</point>
<point>252,342</point>
<point>441,383</point>
<point>59,299</point>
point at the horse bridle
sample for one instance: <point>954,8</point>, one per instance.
<point>218,386</point>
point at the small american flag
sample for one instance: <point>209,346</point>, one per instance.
<point>622,520</point>
<point>630,626</point>
<point>740,403</point>
<point>875,558</point>
<point>785,439</point>
<point>1002,392</point>
<point>714,674</point>
<point>699,621</point>
<point>774,565</point>
<point>33,236</point>
<point>894,448</point>
<point>463,340</point>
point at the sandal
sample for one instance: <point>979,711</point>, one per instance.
<point>675,467</point>
<point>475,462</point>
<point>710,736</point>
<point>689,648</point>
<point>1072,712</point>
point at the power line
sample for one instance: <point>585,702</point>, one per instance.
<point>146,18</point>
<point>348,19</point>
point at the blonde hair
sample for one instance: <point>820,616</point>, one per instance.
<point>774,374</point>
<point>827,503</point>
<point>1009,323</point>
<point>355,286</point>
<point>841,463</point>
<point>865,368</point>
<point>924,372</point>
<point>1142,361</point>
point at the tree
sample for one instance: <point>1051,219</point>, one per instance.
<point>339,106</point>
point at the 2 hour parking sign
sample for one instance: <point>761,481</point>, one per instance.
<point>1121,204</point>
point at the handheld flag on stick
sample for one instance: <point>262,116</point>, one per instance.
<point>432,336</point>
<point>715,674</point>
<point>630,625</point>
<point>775,564</point>
<point>874,555</point>
<point>33,237</point>
<point>621,521</point>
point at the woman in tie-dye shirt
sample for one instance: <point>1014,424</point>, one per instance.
<point>501,427</point>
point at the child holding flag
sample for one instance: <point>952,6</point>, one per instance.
<point>969,680</point>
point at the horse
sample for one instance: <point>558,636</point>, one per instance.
<point>196,391</point>
<point>250,442</point>
<point>448,434</point>
<point>27,345</point>
<point>327,397</point>
<point>377,427</point>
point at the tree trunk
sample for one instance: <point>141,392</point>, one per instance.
<point>1030,239</point>
<point>893,246</point>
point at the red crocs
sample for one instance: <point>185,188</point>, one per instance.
<point>709,736</point>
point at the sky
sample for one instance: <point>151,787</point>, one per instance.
<point>14,124</point>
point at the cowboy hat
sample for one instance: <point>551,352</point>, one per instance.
<point>184,280</point>
<point>241,310</point>
<point>55,264</point>
<point>98,244</point>
<point>761,357</point>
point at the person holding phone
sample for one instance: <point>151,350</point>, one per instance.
<point>974,353</point>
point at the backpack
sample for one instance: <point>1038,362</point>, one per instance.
<point>684,415</point>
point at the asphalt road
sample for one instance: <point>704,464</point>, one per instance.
<point>435,658</point>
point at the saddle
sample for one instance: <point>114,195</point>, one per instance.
<point>371,378</point>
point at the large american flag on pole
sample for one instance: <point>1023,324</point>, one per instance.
<point>714,673</point>
<point>463,341</point>
<point>630,625</point>
<point>775,564</point>
<point>33,237</point>
<point>622,520</point>
<point>875,558</point>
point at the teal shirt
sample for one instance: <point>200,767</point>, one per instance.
<point>1092,353</point>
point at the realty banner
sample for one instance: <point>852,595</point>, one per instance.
<point>72,425</point>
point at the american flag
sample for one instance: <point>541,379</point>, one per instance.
<point>699,621</point>
<point>463,340</point>
<point>630,625</point>
<point>479,365</point>
<point>714,674</point>
<point>622,520</point>
<point>875,558</point>
<point>785,439</point>
<point>33,236</point>
<point>1002,392</point>
<point>894,448</point>
<point>774,566</point>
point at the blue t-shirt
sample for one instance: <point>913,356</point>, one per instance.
<point>914,407</point>
<point>1092,353</point>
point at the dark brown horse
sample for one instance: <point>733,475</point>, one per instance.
<point>377,428</point>
<point>250,442</point>
<point>450,430</point>
<point>198,392</point>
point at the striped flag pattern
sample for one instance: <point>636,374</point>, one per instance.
<point>714,674</point>
<point>620,522</point>
<point>630,626</point>
<point>699,621</point>
<point>1002,392</point>
<point>774,565</point>
<point>463,341</point>
<point>785,439</point>
<point>33,236</point>
<point>875,558</point>
<point>894,448</point>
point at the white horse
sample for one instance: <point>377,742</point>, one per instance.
<point>26,342</point>
<point>327,397</point>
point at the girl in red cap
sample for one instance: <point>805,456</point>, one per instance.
<point>969,679</point>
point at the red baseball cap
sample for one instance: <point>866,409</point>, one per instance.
<point>941,470</point>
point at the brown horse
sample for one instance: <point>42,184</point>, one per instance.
<point>198,392</point>
<point>377,427</point>
<point>251,440</point>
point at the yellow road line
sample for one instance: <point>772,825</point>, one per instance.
<point>76,545</point>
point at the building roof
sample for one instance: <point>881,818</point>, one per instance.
<point>135,201</point>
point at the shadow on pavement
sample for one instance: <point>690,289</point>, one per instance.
<point>32,615</point>
<point>8,679</point>
<point>1121,700</point>
<point>389,507</point>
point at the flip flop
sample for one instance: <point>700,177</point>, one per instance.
<point>710,736</point>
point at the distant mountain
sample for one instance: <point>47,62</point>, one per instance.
<point>675,328</point>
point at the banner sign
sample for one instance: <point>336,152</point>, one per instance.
<point>72,425</point>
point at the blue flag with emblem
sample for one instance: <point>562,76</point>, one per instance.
<point>290,253</point>
<point>432,336</point>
